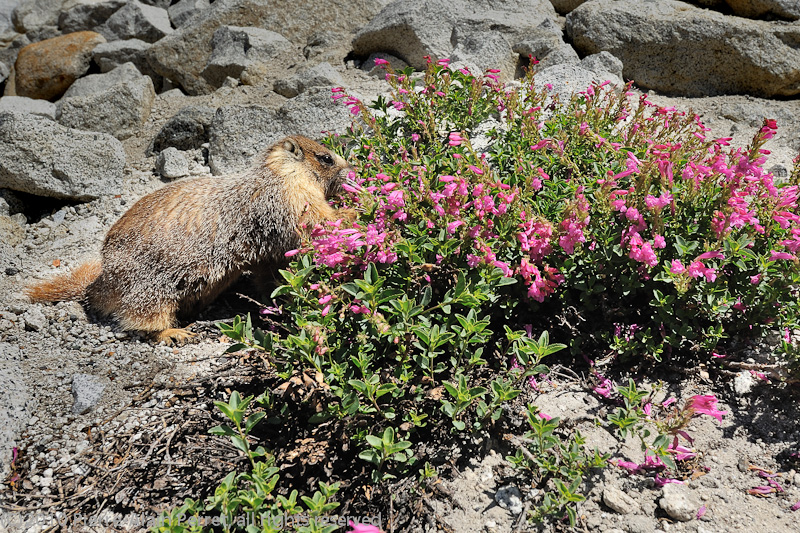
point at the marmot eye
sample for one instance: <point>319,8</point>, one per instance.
<point>325,159</point>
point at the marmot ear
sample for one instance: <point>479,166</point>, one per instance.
<point>291,146</point>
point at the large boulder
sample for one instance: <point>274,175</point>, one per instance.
<point>39,156</point>
<point>119,109</point>
<point>786,9</point>
<point>675,48</point>
<point>248,54</point>
<point>47,68</point>
<point>412,29</point>
<point>239,132</point>
<point>183,55</point>
<point>95,83</point>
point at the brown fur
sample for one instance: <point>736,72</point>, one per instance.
<point>177,248</point>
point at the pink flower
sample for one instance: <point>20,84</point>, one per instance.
<point>755,279</point>
<point>545,416</point>
<point>774,256</point>
<point>453,226</point>
<point>659,242</point>
<point>701,512</point>
<point>325,299</point>
<point>677,267</point>
<point>705,405</point>
<point>476,170</point>
<point>291,253</point>
<point>380,62</point>
<point>455,139</point>
<point>711,255</point>
<point>363,528</point>
<point>326,310</point>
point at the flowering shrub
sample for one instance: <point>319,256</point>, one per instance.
<point>491,215</point>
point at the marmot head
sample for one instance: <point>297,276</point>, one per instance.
<point>297,154</point>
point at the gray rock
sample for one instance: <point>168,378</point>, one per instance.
<point>119,110</point>
<point>33,15</point>
<point>602,64</point>
<point>136,20</point>
<point>565,6</point>
<point>619,501</point>
<point>80,15</point>
<point>242,53</point>
<point>188,129</point>
<point>479,50</point>
<point>22,104</point>
<point>314,114</point>
<point>182,11</point>
<point>412,29</point>
<point>34,319</point>
<point>109,56</point>
<point>565,79</point>
<point>322,75</point>
<point>182,56</point>
<point>785,9</point>
<point>10,51</point>
<point>12,232</point>
<point>95,83</point>
<point>548,49</point>
<point>171,164</point>
<point>679,502</point>
<point>4,71</point>
<point>6,8</point>
<point>675,48</point>
<point>374,70</point>
<point>42,157</point>
<point>16,401</point>
<point>510,498</point>
<point>86,392</point>
<point>240,132</point>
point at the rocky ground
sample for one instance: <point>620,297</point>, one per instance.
<point>105,422</point>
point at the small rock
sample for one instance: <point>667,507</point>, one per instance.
<point>21,104</point>
<point>743,383</point>
<point>136,20</point>
<point>86,391</point>
<point>171,163</point>
<point>618,500</point>
<point>679,502</point>
<point>509,497</point>
<point>82,15</point>
<point>35,320</point>
<point>188,129</point>
<point>180,12</point>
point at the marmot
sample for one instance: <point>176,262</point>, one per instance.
<point>177,248</point>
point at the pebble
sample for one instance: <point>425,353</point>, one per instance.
<point>679,502</point>
<point>509,497</point>
<point>618,500</point>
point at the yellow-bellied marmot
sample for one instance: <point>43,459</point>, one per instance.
<point>177,248</point>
